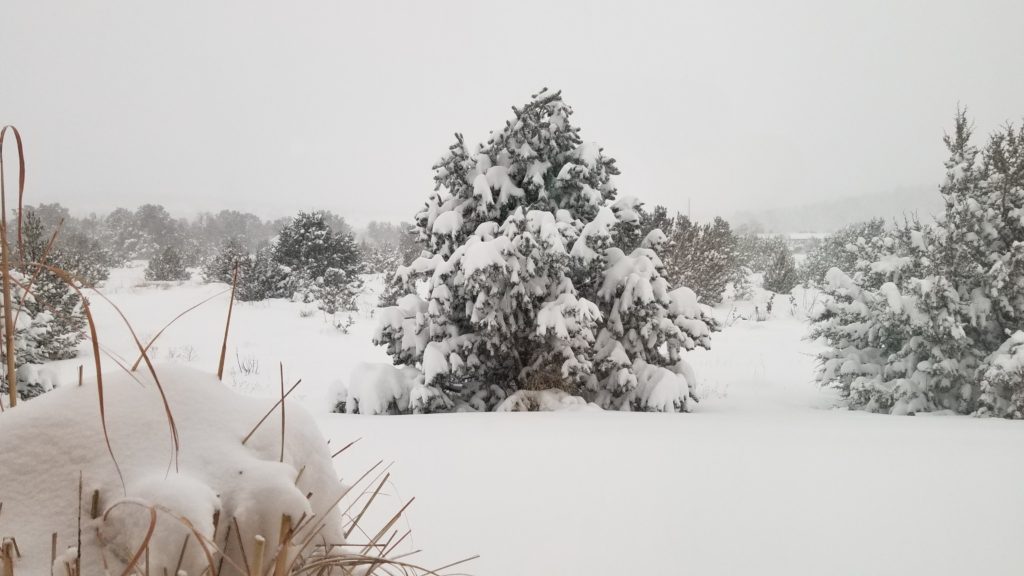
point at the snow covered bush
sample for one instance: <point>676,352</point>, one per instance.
<point>218,490</point>
<point>220,266</point>
<point>836,251</point>
<point>322,265</point>
<point>51,299</point>
<point>523,284</point>
<point>929,317</point>
<point>260,277</point>
<point>37,339</point>
<point>167,266</point>
<point>704,257</point>
<point>781,276</point>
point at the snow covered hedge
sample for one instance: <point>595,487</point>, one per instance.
<point>931,317</point>
<point>523,285</point>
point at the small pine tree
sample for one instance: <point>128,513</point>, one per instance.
<point>51,297</point>
<point>317,253</point>
<point>167,266</point>
<point>220,267</point>
<point>837,250</point>
<point>260,277</point>
<point>704,257</point>
<point>781,276</point>
<point>34,341</point>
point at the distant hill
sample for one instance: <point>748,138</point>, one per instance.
<point>830,215</point>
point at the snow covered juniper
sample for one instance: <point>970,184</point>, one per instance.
<point>522,286</point>
<point>49,322</point>
<point>932,317</point>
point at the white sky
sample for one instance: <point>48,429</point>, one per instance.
<point>274,106</point>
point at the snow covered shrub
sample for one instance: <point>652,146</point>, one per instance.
<point>835,251</point>
<point>216,488</point>
<point>704,257</point>
<point>51,297</point>
<point>35,341</point>
<point>781,276</point>
<point>1002,379</point>
<point>220,266</point>
<point>523,280</point>
<point>381,258</point>
<point>167,266</point>
<point>323,265</point>
<point>929,318</point>
<point>260,277</point>
<point>758,252</point>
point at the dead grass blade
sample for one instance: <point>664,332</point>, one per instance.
<point>269,412</point>
<point>227,325</point>
<point>5,260</point>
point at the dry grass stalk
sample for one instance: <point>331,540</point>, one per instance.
<point>281,364</point>
<point>271,411</point>
<point>257,562</point>
<point>227,325</point>
<point>5,259</point>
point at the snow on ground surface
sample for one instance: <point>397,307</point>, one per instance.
<point>763,478</point>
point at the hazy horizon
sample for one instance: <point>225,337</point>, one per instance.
<point>270,109</point>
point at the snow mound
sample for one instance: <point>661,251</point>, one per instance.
<point>50,442</point>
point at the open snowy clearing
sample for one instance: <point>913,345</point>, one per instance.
<point>764,478</point>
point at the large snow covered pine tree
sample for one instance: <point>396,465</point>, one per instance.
<point>932,318</point>
<point>521,287</point>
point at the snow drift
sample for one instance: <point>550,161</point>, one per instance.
<point>215,481</point>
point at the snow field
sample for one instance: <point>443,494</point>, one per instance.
<point>764,477</point>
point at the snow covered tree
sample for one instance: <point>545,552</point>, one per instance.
<point>260,277</point>
<point>703,257</point>
<point>938,325</point>
<point>315,255</point>
<point>863,321</point>
<point>34,341</point>
<point>781,276</point>
<point>381,257</point>
<point>167,266</point>
<point>524,286</point>
<point>51,298</point>
<point>836,251</point>
<point>758,252</point>
<point>220,266</point>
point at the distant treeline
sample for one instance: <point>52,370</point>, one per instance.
<point>148,231</point>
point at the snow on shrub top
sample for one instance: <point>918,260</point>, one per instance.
<point>47,442</point>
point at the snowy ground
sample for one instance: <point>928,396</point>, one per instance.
<point>764,478</point>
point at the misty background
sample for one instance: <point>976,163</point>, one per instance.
<point>796,114</point>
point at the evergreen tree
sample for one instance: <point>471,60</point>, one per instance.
<point>260,277</point>
<point>781,276</point>
<point>167,266</point>
<point>704,257</point>
<point>519,263</point>
<point>943,331</point>
<point>220,267</point>
<point>51,298</point>
<point>33,341</point>
<point>837,251</point>
<point>315,255</point>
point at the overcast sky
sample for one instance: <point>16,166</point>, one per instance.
<point>275,106</point>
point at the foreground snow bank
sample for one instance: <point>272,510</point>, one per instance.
<point>47,444</point>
